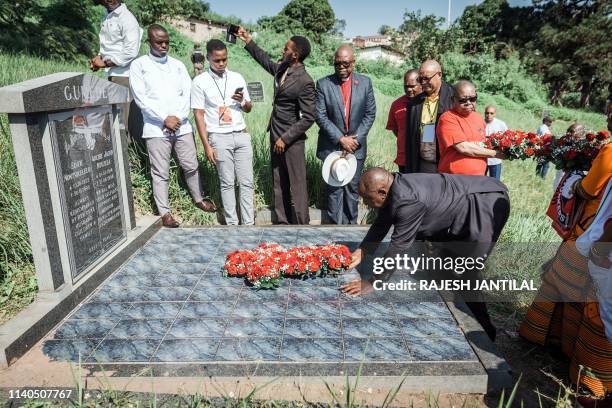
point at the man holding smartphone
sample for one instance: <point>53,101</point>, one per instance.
<point>293,113</point>
<point>218,98</point>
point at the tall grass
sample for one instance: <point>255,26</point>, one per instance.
<point>529,194</point>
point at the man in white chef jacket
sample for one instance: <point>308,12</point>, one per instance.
<point>161,87</point>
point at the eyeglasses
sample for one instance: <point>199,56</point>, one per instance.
<point>344,64</point>
<point>472,99</point>
<point>427,79</point>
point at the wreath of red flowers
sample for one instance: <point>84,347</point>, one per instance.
<point>266,265</point>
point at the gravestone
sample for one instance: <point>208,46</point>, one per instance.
<point>73,170</point>
<point>71,153</point>
<point>256,91</point>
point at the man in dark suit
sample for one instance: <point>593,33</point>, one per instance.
<point>423,113</point>
<point>346,110</point>
<point>293,114</point>
<point>466,213</point>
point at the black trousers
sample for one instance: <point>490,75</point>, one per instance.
<point>289,178</point>
<point>342,202</point>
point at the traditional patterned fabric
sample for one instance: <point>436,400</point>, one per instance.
<point>573,326</point>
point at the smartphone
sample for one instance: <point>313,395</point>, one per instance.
<point>232,30</point>
<point>238,90</point>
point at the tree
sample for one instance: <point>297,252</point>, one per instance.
<point>148,12</point>
<point>386,30</point>
<point>572,48</point>
<point>481,24</point>
<point>421,38</point>
<point>339,27</point>
<point>313,17</point>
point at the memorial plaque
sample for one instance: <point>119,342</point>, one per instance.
<point>256,91</point>
<point>88,180</point>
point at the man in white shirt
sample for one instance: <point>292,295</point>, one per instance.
<point>218,98</point>
<point>544,129</point>
<point>120,37</point>
<point>494,125</point>
<point>161,86</point>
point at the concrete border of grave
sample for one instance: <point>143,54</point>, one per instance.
<point>71,152</point>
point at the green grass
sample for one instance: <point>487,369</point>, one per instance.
<point>529,194</point>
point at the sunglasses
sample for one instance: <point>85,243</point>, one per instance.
<point>472,99</point>
<point>426,79</point>
<point>344,64</point>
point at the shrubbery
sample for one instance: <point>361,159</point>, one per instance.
<point>503,77</point>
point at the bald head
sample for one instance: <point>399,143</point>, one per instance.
<point>374,186</point>
<point>344,62</point>
<point>345,49</point>
<point>462,86</point>
<point>431,65</point>
<point>576,130</point>
<point>490,113</point>
<point>430,77</point>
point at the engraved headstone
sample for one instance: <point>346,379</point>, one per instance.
<point>72,163</point>
<point>256,91</point>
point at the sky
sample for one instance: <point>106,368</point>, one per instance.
<point>363,17</point>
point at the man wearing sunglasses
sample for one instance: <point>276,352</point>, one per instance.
<point>460,134</point>
<point>396,122</point>
<point>423,113</point>
<point>345,112</point>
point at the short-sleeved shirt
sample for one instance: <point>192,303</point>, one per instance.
<point>396,122</point>
<point>452,129</point>
<point>495,126</point>
<point>213,94</point>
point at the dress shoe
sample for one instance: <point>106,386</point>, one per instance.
<point>168,221</point>
<point>206,206</point>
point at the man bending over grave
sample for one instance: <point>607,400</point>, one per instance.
<point>456,210</point>
<point>161,88</point>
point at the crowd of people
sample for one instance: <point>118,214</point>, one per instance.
<point>441,192</point>
<point>435,124</point>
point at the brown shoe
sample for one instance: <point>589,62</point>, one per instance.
<point>168,221</point>
<point>206,206</point>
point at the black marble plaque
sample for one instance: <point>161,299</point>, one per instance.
<point>256,91</point>
<point>88,180</point>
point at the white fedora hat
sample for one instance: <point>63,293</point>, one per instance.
<point>339,168</point>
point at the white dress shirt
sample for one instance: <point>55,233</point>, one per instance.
<point>211,91</point>
<point>161,88</point>
<point>120,37</point>
<point>495,126</point>
<point>543,130</point>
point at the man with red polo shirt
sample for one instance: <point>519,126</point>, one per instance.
<point>397,115</point>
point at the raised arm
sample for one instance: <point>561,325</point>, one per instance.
<point>257,53</point>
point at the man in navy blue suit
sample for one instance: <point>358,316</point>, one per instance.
<point>345,112</point>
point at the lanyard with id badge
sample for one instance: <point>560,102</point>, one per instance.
<point>428,130</point>
<point>225,113</point>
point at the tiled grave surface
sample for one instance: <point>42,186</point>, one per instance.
<point>170,304</point>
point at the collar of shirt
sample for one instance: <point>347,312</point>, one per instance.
<point>117,11</point>
<point>432,99</point>
<point>215,75</point>
<point>160,60</point>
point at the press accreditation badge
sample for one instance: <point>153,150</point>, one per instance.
<point>225,115</point>
<point>429,133</point>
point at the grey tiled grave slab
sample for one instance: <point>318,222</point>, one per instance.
<point>170,306</point>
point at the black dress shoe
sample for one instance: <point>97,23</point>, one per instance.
<point>168,221</point>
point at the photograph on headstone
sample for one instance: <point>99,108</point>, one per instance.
<point>89,183</point>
